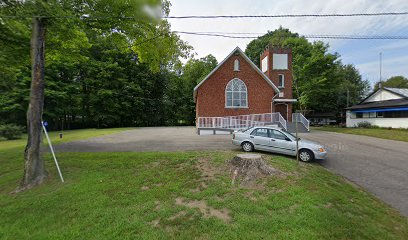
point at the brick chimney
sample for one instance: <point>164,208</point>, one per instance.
<point>276,63</point>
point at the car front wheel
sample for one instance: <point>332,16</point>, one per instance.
<point>305,155</point>
<point>247,147</point>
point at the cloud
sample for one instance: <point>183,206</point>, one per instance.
<point>220,47</point>
<point>395,45</point>
<point>390,67</point>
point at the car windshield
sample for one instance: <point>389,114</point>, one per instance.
<point>247,129</point>
<point>290,135</point>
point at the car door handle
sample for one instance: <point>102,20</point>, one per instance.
<point>273,140</point>
<point>251,136</point>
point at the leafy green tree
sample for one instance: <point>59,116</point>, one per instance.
<point>73,27</point>
<point>178,98</point>
<point>394,82</point>
<point>279,37</point>
<point>352,86</point>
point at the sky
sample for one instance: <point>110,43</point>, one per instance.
<point>364,54</point>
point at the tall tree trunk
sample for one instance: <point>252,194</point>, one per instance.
<point>34,169</point>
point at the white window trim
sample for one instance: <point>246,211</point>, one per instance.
<point>225,93</point>
<point>283,78</point>
<point>235,107</point>
<point>264,64</point>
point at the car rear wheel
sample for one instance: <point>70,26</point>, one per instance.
<point>305,155</point>
<point>247,147</point>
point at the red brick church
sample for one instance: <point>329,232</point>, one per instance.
<point>237,87</point>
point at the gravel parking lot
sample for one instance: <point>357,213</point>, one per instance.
<point>148,139</point>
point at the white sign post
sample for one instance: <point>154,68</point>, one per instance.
<point>52,151</point>
<point>297,138</point>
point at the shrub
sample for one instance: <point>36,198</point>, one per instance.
<point>342,125</point>
<point>364,125</point>
<point>10,131</point>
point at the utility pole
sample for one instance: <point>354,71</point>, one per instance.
<point>34,169</point>
<point>348,97</point>
<point>380,68</point>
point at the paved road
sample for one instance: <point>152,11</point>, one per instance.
<point>378,165</point>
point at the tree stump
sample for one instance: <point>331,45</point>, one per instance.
<point>249,167</point>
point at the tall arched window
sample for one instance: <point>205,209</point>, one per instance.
<point>236,95</point>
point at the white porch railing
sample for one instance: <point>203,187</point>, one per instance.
<point>229,123</point>
<point>241,121</point>
<point>277,117</point>
<point>298,117</point>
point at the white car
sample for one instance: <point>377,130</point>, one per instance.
<point>274,139</point>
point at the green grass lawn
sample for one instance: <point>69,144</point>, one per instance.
<point>393,134</point>
<point>68,136</point>
<point>185,195</point>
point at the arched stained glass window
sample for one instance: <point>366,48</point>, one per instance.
<point>236,95</point>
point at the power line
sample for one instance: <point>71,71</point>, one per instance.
<point>292,15</point>
<point>226,16</point>
<point>214,34</point>
<point>309,36</point>
<point>236,33</point>
<point>356,37</point>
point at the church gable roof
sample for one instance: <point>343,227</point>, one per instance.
<point>237,49</point>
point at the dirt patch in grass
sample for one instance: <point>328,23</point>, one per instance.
<point>155,222</point>
<point>207,211</point>
<point>200,187</point>
<point>328,205</point>
<point>208,171</point>
<point>158,206</point>
<point>250,196</point>
<point>177,215</point>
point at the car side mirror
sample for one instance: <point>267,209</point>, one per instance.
<point>288,139</point>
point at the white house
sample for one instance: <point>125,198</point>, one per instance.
<point>386,107</point>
